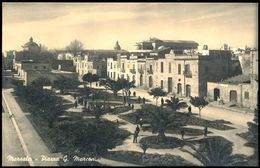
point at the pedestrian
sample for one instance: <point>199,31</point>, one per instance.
<point>117,121</point>
<point>129,93</point>
<point>133,106</point>
<point>137,129</point>
<point>135,137</point>
<point>205,131</point>
<point>189,109</point>
<point>139,100</point>
<point>182,134</point>
<point>96,84</point>
<point>76,104</point>
<point>134,94</point>
<point>143,100</point>
<point>162,101</point>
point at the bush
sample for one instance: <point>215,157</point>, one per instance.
<point>120,109</point>
<point>170,142</point>
<point>147,159</point>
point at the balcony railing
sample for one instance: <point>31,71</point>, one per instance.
<point>187,74</point>
<point>150,71</point>
<point>133,71</point>
<point>141,71</point>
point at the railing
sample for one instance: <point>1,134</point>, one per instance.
<point>133,71</point>
<point>187,74</point>
<point>149,71</point>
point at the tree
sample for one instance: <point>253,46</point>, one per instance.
<point>163,119</point>
<point>114,86</point>
<point>74,47</point>
<point>90,78</point>
<point>144,146</point>
<point>63,83</point>
<point>175,103</point>
<point>198,102</point>
<point>98,110</point>
<point>85,92</point>
<point>156,93</point>
<point>216,151</point>
<point>40,82</point>
<point>126,85</point>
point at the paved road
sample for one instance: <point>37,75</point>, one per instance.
<point>10,142</point>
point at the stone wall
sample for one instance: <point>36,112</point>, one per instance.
<point>225,92</point>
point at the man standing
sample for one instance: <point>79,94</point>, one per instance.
<point>162,101</point>
<point>139,100</point>
<point>189,109</point>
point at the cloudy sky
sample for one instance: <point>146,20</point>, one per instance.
<point>100,25</point>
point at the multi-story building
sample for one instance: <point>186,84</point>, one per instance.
<point>176,72</point>
<point>254,78</point>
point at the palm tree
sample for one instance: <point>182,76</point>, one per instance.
<point>216,151</point>
<point>199,102</point>
<point>156,93</point>
<point>175,103</point>
<point>162,119</point>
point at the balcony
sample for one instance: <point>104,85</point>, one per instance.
<point>187,74</point>
<point>150,71</point>
<point>141,71</point>
<point>133,71</point>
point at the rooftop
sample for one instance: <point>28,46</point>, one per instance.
<point>239,79</point>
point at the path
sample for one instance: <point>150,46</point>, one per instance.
<point>33,142</point>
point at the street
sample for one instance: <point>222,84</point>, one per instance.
<point>10,141</point>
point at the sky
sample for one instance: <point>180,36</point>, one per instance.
<point>100,25</point>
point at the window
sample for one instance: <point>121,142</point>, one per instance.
<point>179,69</point>
<point>246,95</point>
<point>111,66</point>
<point>123,66</point>
<point>170,68</point>
<point>161,84</point>
<point>161,67</point>
<point>151,67</point>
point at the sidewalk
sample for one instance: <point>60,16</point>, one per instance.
<point>235,109</point>
<point>33,142</point>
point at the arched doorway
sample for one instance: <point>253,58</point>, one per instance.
<point>150,81</point>
<point>233,96</point>
<point>216,94</point>
<point>187,90</point>
<point>179,88</point>
<point>141,80</point>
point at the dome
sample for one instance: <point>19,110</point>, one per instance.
<point>31,46</point>
<point>31,43</point>
<point>117,46</point>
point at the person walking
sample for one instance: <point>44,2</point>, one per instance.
<point>134,94</point>
<point>205,131</point>
<point>143,100</point>
<point>135,137</point>
<point>133,106</point>
<point>139,100</point>
<point>76,104</point>
<point>129,93</point>
<point>182,134</point>
<point>189,109</point>
<point>162,101</point>
<point>137,129</point>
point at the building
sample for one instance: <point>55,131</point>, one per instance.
<point>31,70</point>
<point>95,61</point>
<point>241,90</point>
<point>180,73</point>
<point>176,45</point>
